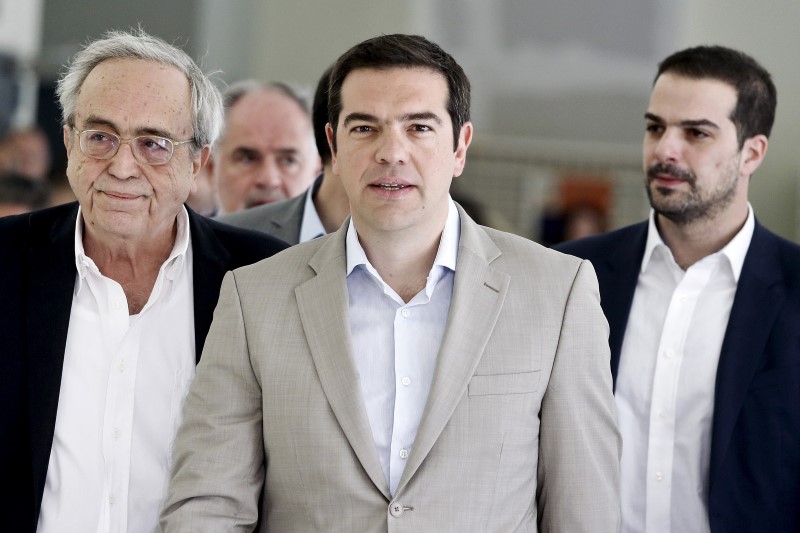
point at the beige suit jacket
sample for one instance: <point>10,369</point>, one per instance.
<point>518,433</point>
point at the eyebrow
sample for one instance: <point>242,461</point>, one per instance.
<point>366,117</point>
<point>684,123</point>
<point>94,121</point>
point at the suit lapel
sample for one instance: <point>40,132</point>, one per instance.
<point>476,287</point>
<point>210,263</point>
<point>760,294</point>
<point>52,282</point>
<point>322,303</point>
<point>617,276</point>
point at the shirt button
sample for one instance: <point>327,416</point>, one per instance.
<point>659,476</point>
<point>111,500</point>
<point>663,414</point>
<point>396,509</point>
<point>669,354</point>
<point>115,305</point>
<point>122,366</point>
<point>403,454</point>
<point>115,433</point>
<point>406,381</point>
<point>405,312</point>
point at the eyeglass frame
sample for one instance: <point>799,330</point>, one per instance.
<point>122,140</point>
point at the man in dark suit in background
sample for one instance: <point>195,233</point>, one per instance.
<point>704,308</point>
<point>319,210</point>
<point>106,303</point>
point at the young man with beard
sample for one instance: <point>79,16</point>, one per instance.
<point>704,306</point>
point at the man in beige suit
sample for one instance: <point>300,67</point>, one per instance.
<point>412,371</point>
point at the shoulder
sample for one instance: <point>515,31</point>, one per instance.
<point>770,250</point>
<point>244,245</point>
<point>36,226</point>
<point>263,217</point>
<point>531,265</point>
<point>597,246</point>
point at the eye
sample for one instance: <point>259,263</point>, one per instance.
<point>421,128</point>
<point>362,129</point>
<point>246,156</point>
<point>153,145</point>
<point>654,128</point>
<point>288,161</point>
<point>696,133</point>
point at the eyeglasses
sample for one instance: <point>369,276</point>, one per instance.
<point>148,149</point>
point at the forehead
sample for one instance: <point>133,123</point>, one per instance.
<point>680,98</point>
<point>136,95</point>
<point>266,116</point>
<point>399,89</point>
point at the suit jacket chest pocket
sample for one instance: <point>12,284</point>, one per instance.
<point>495,384</point>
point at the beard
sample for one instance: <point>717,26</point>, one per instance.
<point>684,207</point>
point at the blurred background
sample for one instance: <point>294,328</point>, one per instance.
<point>559,86</point>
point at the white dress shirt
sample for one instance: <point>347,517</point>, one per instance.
<point>396,344</point>
<point>123,384</point>
<point>311,226</point>
<point>665,383</point>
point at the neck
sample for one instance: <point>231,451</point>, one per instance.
<point>331,201</point>
<point>403,263</point>
<point>692,242</point>
<point>134,265</point>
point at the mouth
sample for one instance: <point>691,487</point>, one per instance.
<point>390,186</point>
<point>121,196</point>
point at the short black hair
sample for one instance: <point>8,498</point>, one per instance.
<point>405,51</point>
<point>319,116</point>
<point>756,96</point>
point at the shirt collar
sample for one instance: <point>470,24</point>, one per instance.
<point>311,226</point>
<point>735,250</point>
<point>172,266</point>
<point>445,256</point>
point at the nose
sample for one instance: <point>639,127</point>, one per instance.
<point>124,165</point>
<point>667,147</point>
<point>391,148</point>
<point>268,176</point>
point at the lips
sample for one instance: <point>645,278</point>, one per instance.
<point>121,195</point>
<point>669,174</point>
<point>391,186</point>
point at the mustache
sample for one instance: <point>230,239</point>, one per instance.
<point>671,170</point>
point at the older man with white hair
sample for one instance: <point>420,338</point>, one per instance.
<point>107,301</point>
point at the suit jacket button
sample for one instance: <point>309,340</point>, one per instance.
<point>396,509</point>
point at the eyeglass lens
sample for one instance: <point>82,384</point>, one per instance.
<point>146,148</point>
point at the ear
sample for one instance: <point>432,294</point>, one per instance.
<point>200,159</point>
<point>753,152</point>
<point>334,159</point>
<point>68,136</point>
<point>464,140</point>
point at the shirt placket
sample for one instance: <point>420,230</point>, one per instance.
<point>123,348</point>
<point>661,439</point>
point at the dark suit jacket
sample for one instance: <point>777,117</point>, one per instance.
<point>283,220</point>
<point>754,478</point>
<point>37,265</point>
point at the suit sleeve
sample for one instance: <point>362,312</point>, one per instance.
<point>218,468</point>
<point>580,445</point>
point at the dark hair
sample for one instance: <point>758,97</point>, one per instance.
<point>319,116</point>
<point>756,96</point>
<point>408,51</point>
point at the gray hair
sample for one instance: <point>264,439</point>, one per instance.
<point>207,117</point>
<point>238,89</point>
